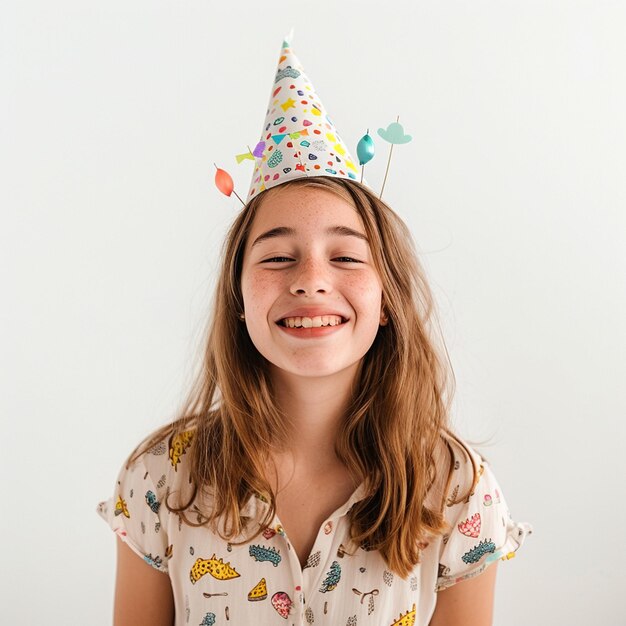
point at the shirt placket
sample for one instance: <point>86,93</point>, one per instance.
<point>329,547</point>
<point>325,549</point>
<point>292,581</point>
<point>297,577</point>
<point>306,584</point>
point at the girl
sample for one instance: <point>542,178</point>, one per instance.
<point>312,476</point>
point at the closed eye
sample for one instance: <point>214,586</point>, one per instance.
<point>283,258</point>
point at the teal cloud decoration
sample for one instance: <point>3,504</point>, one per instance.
<point>394,133</point>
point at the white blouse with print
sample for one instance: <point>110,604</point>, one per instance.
<point>262,582</point>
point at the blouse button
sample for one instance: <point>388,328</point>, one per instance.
<point>328,528</point>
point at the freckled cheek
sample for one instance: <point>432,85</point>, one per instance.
<point>259,293</point>
<point>367,293</point>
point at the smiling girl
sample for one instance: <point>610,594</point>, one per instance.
<point>312,476</point>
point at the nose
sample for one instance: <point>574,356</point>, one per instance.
<point>310,277</point>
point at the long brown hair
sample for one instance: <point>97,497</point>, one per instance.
<point>393,431</point>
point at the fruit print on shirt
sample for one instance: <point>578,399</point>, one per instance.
<point>213,566</point>
<point>209,620</point>
<point>121,508</point>
<point>178,445</point>
<point>477,552</point>
<point>267,585</point>
<point>471,526</point>
<point>261,553</point>
<point>282,603</point>
<point>155,561</point>
<point>408,619</point>
<point>258,592</point>
<point>152,502</point>
<point>332,578</point>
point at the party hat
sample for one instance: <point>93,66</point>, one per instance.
<point>298,138</point>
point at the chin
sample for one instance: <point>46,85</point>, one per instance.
<point>314,370</point>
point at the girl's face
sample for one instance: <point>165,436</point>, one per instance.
<point>300,260</point>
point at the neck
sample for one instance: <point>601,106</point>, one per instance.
<point>315,409</point>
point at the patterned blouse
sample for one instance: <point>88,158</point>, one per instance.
<point>262,582</point>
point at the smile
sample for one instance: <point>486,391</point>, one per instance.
<point>310,332</point>
<point>312,322</point>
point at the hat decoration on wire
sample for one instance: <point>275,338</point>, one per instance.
<point>299,138</point>
<point>393,134</point>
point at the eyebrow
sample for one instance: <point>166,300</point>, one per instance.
<point>286,231</point>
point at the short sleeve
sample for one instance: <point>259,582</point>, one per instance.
<point>482,530</point>
<point>133,514</point>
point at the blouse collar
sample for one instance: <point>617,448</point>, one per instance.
<point>258,503</point>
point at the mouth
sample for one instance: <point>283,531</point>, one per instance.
<point>307,323</point>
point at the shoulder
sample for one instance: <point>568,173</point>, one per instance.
<point>166,449</point>
<point>459,468</point>
<point>480,527</point>
<point>157,466</point>
<point>155,475</point>
<point>468,468</point>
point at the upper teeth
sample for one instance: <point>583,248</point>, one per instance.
<point>311,322</point>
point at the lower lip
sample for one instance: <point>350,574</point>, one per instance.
<point>313,332</point>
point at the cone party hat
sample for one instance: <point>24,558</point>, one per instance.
<point>298,138</point>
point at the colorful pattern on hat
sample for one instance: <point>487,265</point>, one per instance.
<point>299,138</point>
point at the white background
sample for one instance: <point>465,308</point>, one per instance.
<point>112,115</point>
